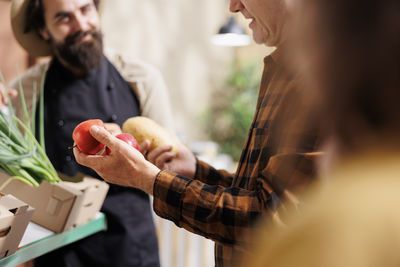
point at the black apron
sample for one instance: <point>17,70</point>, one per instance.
<point>130,239</point>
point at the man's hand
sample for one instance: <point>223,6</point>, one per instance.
<point>3,95</point>
<point>144,147</point>
<point>124,166</point>
<point>183,162</point>
<point>113,128</point>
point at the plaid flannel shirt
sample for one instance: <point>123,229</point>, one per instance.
<point>223,206</point>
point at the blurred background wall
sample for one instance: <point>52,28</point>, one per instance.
<point>11,54</point>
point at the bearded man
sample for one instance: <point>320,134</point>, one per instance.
<point>82,83</point>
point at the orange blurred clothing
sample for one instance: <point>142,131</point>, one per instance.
<point>351,219</point>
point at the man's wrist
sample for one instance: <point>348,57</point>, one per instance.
<point>153,172</point>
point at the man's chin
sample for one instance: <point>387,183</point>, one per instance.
<point>86,58</point>
<point>266,42</point>
<point>258,40</point>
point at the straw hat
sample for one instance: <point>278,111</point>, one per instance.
<point>30,41</point>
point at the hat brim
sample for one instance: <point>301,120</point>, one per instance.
<point>30,41</point>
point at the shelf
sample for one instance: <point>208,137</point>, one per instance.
<point>41,241</point>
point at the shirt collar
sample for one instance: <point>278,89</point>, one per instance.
<point>278,56</point>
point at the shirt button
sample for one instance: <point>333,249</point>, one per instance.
<point>114,117</point>
<point>68,158</point>
<point>110,86</point>
<point>60,123</point>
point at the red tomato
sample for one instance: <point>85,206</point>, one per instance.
<point>84,140</point>
<point>127,138</point>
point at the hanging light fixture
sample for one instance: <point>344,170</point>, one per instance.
<point>231,34</point>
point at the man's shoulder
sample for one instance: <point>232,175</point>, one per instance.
<point>132,69</point>
<point>34,72</point>
<point>39,68</point>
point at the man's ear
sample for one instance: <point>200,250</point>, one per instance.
<point>45,34</point>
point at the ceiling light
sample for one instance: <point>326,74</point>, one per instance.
<point>231,34</point>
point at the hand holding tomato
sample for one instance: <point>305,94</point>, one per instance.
<point>84,140</point>
<point>89,145</point>
<point>124,166</point>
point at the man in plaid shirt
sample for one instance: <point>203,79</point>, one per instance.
<point>277,158</point>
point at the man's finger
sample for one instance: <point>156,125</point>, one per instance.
<point>165,157</point>
<point>3,100</point>
<point>12,93</point>
<point>113,128</point>
<point>156,152</point>
<point>103,136</point>
<point>4,95</point>
<point>144,146</point>
<point>83,158</point>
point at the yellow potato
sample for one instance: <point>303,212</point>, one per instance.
<point>143,128</point>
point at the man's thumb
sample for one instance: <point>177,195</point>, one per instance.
<point>101,135</point>
<point>12,93</point>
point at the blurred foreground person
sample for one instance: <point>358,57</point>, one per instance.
<point>350,58</point>
<point>214,203</point>
<point>83,83</point>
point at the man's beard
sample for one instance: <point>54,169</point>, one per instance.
<point>83,56</point>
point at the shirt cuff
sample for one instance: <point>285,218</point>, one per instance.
<point>168,192</point>
<point>202,169</point>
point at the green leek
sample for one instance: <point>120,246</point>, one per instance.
<point>21,155</point>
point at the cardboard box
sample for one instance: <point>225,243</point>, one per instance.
<point>61,206</point>
<point>14,218</point>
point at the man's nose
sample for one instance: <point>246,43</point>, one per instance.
<point>82,23</point>
<point>235,6</point>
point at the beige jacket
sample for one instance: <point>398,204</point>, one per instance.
<point>145,80</point>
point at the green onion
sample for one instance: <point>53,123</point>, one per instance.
<point>21,155</point>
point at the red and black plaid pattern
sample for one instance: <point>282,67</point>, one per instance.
<point>223,206</point>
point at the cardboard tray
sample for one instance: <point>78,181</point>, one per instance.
<point>14,218</point>
<point>61,206</point>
